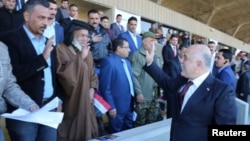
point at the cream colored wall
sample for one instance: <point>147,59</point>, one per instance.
<point>152,11</point>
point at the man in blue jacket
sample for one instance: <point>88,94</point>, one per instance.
<point>116,86</point>
<point>223,63</point>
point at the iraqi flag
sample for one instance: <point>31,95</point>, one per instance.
<point>101,104</point>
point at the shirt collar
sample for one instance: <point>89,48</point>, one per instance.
<point>132,34</point>
<point>220,69</point>
<point>71,18</point>
<point>30,35</point>
<point>197,81</point>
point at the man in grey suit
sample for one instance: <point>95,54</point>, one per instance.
<point>208,101</point>
<point>9,90</point>
<point>117,27</point>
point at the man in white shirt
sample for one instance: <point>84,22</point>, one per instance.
<point>135,41</point>
<point>213,47</point>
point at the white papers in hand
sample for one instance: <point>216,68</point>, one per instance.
<point>41,116</point>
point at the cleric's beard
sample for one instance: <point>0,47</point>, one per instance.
<point>77,44</point>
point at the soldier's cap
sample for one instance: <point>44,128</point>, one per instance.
<point>148,34</point>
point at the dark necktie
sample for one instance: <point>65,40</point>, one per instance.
<point>184,91</point>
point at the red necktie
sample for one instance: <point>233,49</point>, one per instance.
<point>184,91</point>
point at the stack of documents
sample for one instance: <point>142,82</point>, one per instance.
<point>42,116</point>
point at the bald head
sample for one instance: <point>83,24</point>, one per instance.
<point>196,61</point>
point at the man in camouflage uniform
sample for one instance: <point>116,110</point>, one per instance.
<point>147,106</point>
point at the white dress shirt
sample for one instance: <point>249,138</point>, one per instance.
<point>133,36</point>
<point>196,83</point>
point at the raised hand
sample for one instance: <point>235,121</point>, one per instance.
<point>49,47</point>
<point>150,55</point>
<point>85,50</point>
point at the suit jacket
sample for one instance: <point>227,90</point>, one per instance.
<point>227,75</point>
<point>9,91</point>
<point>241,65</point>
<point>59,33</point>
<point>116,29</point>
<point>214,70</point>
<point>243,85</point>
<point>65,23</point>
<point>59,17</point>
<point>131,43</point>
<point>171,63</point>
<point>114,86</point>
<point>10,21</point>
<point>213,103</point>
<point>27,65</point>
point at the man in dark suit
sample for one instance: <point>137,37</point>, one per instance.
<point>19,4</point>
<point>243,84</point>
<point>33,60</point>
<point>116,86</point>
<point>10,19</point>
<point>134,40</point>
<point>171,64</point>
<point>207,102</point>
<point>244,60</point>
<point>63,11</point>
<point>117,27</point>
<point>73,14</point>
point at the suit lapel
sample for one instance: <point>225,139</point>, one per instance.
<point>199,94</point>
<point>28,44</point>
